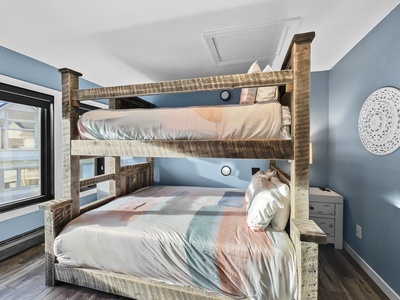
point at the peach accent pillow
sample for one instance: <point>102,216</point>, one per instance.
<point>248,95</point>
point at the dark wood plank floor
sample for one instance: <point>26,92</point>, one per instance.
<point>22,277</point>
<point>341,278</point>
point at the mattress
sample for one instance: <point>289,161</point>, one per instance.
<point>264,120</point>
<point>187,236</point>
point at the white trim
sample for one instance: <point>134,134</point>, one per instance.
<point>18,212</point>
<point>28,85</point>
<point>371,273</point>
<point>23,242</point>
<point>57,142</point>
<point>8,215</point>
<point>288,29</point>
<point>33,235</point>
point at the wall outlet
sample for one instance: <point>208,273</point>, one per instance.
<point>358,231</point>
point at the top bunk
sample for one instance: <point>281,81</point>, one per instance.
<point>294,87</point>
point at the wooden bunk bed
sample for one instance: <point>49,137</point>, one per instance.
<point>294,82</point>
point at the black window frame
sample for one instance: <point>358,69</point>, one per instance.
<point>18,95</point>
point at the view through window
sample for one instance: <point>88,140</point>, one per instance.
<point>26,158</point>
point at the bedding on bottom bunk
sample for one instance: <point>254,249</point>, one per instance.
<point>224,122</point>
<point>190,236</point>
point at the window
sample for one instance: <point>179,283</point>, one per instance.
<point>26,147</point>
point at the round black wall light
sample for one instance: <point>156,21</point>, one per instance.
<point>225,95</point>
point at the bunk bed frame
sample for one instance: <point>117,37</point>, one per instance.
<point>294,82</point>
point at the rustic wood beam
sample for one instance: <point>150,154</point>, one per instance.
<point>135,102</point>
<point>115,161</point>
<point>308,231</point>
<point>57,213</point>
<point>300,110</point>
<point>96,204</point>
<point>257,149</point>
<point>188,85</point>
<point>70,116</point>
<point>134,169</point>
<point>300,38</point>
<point>96,179</point>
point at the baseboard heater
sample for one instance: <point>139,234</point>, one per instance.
<point>21,242</point>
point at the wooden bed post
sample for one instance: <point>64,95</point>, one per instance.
<point>301,126</point>
<point>115,161</point>
<point>70,116</point>
<point>59,212</point>
<point>150,176</point>
<point>306,252</point>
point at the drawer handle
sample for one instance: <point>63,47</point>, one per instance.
<point>312,207</point>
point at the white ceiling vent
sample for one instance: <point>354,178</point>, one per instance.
<point>263,41</point>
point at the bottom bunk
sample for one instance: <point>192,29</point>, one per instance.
<point>164,242</point>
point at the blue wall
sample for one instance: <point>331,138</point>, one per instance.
<point>319,128</point>
<point>18,66</point>
<point>202,172</point>
<point>369,183</point>
<point>207,172</point>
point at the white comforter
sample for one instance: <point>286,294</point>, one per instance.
<point>225,122</point>
<point>188,236</point>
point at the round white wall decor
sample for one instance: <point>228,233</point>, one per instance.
<point>378,122</point>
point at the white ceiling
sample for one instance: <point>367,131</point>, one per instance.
<point>124,41</point>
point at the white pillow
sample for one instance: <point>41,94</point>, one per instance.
<point>270,173</point>
<point>262,200</point>
<point>263,206</point>
<point>281,217</point>
<point>268,93</point>
<point>256,184</point>
<point>248,95</point>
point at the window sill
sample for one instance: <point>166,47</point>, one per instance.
<point>15,213</point>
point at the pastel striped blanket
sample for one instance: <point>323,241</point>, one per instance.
<point>187,236</point>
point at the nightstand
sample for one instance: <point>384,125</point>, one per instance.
<point>326,209</point>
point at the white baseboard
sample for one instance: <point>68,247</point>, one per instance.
<point>22,242</point>
<point>371,273</point>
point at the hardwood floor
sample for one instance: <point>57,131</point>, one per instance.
<point>22,277</point>
<point>341,278</point>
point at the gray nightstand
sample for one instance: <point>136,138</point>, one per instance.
<point>326,209</point>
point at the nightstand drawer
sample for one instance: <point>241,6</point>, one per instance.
<point>322,208</point>
<point>326,209</point>
<point>327,225</point>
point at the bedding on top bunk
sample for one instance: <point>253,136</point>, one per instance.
<point>190,236</point>
<point>224,122</point>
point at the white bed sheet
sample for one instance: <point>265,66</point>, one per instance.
<point>225,122</point>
